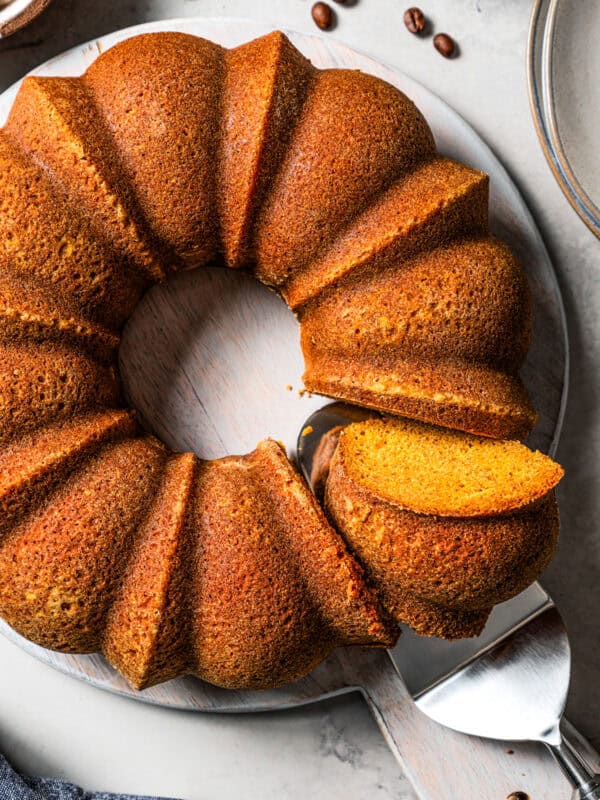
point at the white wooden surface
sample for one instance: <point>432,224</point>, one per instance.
<point>179,345</point>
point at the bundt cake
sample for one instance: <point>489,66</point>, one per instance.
<point>171,153</point>
<point>447,524</point>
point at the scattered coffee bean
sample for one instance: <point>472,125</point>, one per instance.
<point>444,44</point>
<point>322,14</point>
<point>518,796</point>
<point>414,19</point>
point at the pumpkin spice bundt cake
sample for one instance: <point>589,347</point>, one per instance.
<point>170,153</point>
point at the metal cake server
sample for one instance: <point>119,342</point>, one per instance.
<point>510,683</point>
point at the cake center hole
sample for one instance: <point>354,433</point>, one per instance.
<point>211,360</point>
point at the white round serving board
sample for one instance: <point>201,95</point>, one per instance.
<point>209,358</point>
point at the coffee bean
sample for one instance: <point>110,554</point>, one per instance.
<point>518,796</point>
<point>323,16</point>
<point>444,44</point>
<point>414,19</point>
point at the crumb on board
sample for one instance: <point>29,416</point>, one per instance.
<point>289,387</point>
<point>307,430</point>
<point>302,392</point>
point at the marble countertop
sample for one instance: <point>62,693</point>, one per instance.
<point>54,725</point>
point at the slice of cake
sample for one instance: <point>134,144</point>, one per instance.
<point>445,524</point>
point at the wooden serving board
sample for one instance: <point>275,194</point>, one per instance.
<point>212,362</point>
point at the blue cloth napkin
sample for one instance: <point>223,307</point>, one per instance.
<point>20,787</point>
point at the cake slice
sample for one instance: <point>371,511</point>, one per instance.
<point>160,97</point>
<point>438,338</point>
<point>445,524</point>
<point>439,201</point>
<point>44,382</point>
<point>77,547</point>
<point>55,121</point>
<point>32,467</point>
<point>334,166</point>
<point>266,82</point>
<point>273,590</point>
<point>44,238</point>
<point>147,636</point>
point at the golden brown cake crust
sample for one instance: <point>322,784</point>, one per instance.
<point>44,382</point>
<point>266,82</point>
<point>147,636</point>
<point>41,237</point>
<point>30,312</point>
<point>440,200</point>
<point>160,95</point>
<point>169,153</point>
<point>414,340</point>
<point>273,589</point>
<point>77,548</point>
<point>334,165</point>
<point>34,466</point>
<point>56,122</point>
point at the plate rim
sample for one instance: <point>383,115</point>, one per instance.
<point>540,28</point>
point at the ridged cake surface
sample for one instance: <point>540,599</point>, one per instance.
<point>265,86</point>
<point>44,382</point>
<point>440,200</point>
<point>440,338</point>
<point>30,312</point>
<point>160,97</point>
<point>261,535</point>
<point>55,121</point>
<point>334,166</point>
<point>45,238</point>
<point>147,635</point>
<point>32,467</point>
<point>75,546</point>
<point>171,153</point>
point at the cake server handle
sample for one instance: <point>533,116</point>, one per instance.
<point>576,759</point>
<point>440,763</point>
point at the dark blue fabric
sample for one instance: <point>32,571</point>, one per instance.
<point>20,787</point>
